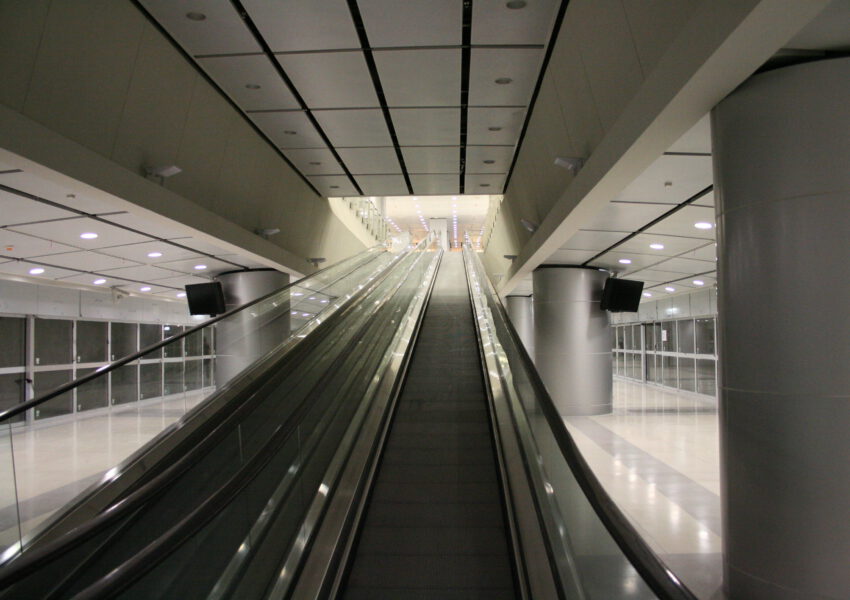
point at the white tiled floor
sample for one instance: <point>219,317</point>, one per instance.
<point>55,462</point>
<point>657,455</point>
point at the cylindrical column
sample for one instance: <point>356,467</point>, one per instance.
<point>243,338</point>
<point>572,339</point>
<point>521,312</point>
<point>782,176</point>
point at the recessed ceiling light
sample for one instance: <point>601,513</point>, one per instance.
<point>703,225</point>
<point>625,261</point>
<point>200,267</point>
<point>494,129</point>
<point>154,254</point>
<point>88,235</point>
<point>647,295</point>
<point>669,289</point>
<point>36,271</point>
<point>334,187</point>
<point>516,4</point>
<point>252,86</point>
<point>99,281</point>
<point>145,288</point>
<point>489,161</point>
<point>657,246</point>
<point>289,132</point>
<point>699,282</point>
<point>196,16</point>
<point>315,162</point>
<point>485,185</point>
<point>503,80</point>
<point>181,294</point>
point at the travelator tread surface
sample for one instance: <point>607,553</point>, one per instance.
<point>434,526</point>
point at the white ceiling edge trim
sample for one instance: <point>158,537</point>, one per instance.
<point>32,147</point>
<point>701,67</point>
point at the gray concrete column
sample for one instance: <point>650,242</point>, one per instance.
<point>243,338</point>
<point>572,339</point>
<point>782,176</point>
<point>521,312</point>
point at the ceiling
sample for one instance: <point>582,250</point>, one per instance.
<point>375,97</point>
<point>41,224</point>
<point>651,224</point>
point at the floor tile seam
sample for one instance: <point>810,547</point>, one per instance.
<point>714,526</point>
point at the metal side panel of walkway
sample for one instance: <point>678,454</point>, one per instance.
<point>434,526</point>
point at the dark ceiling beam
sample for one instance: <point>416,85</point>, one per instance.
<point>379,89</point>
<point>465,60</point>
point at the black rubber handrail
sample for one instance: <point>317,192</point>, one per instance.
<point>654,572</point>
<point>66,387</point>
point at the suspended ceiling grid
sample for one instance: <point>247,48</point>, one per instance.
<point>375,97</point>
<point>42,227</point>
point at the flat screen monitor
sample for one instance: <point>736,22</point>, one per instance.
<point>621,295</point>
<point>205,298</point>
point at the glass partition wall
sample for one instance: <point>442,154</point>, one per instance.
<point>679,354</point>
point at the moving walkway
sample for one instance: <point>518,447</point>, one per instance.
<point>395,442</point>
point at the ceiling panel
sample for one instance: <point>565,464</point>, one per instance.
<point>301,134</point>
<point>625,216</point>
<point>61,193</point>
<point>484,184</point>
<point>297,26</point>
<point>432,159</point>
<point>686,175</point>
<point>654,275</point>
<point>22,268</point>
<point>315,161</point>
<point>331,79</point>
<point>420,77</point>
<point>696,139</point>
<point>145,288</point>
<point>685,265</point>
<point>673,245</point>
<point>827,31</point>
<point>188,266</point>
<point>448,183</point>
<point>478,159</point>
<point>333,185</point>
<point>706,253</point>
<point>520,65</point>
<point>365,161</point>
<point>139,252</point>
<point>142,273</point>
<point>160,227</point>
<point>592,240</point>
<point>682,223</point>
<point>354,128</point>
<point>68,232</point>
<point>481,122</point>
<point>221,31</point>
<point>610,260</point>
<point>427,126</point>
<point>15,209</point>
<point>234,73</point>
<point>394,23</point>
<point>18,245</point>
<point>382,185</point>
<point>495,23</point>
<point>568,257</point>
<point>182,281</point>
<point>89,279</point>
<point>89,261</point>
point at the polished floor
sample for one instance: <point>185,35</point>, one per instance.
<point>657,455</point>
<point>55,462</point>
